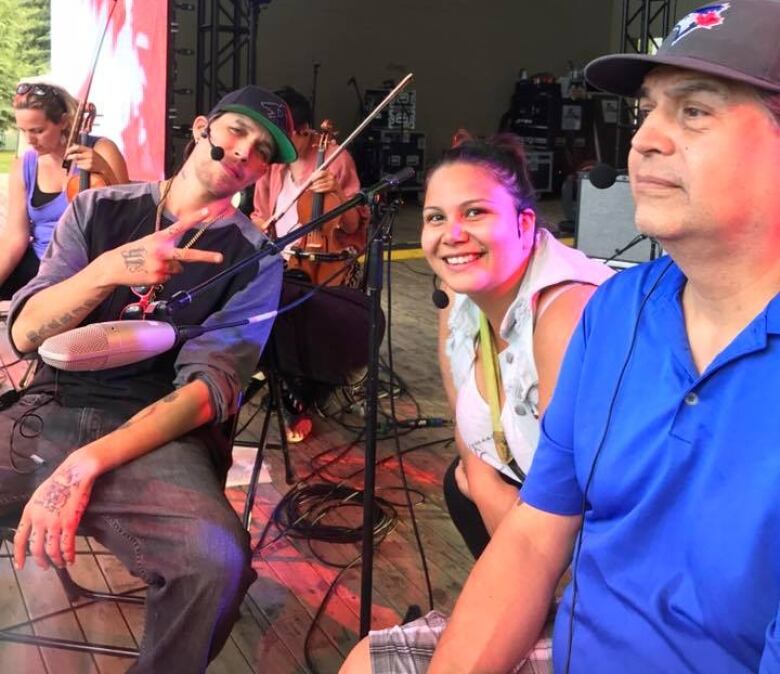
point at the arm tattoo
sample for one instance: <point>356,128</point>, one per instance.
<point>173,395</point>
<point>135,259</point>
<point>62,323</point>
<point>141,415</point>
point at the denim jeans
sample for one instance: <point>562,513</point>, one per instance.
<point>164,515</point>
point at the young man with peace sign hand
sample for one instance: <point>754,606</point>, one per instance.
<point>133,454</point>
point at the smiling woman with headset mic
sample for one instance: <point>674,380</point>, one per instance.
<point>514,296</point>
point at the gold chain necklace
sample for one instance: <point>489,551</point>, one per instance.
<point>164,189</point>
<point>149,292</point>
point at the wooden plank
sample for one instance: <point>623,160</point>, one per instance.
<point>15,657</point>
<point>260,645</point>
<point>230,660</point>
<point>119,580</point>
<point>447,543</point>
<point>43,595</point>
<point>102,621</point>
<point>290,620</point>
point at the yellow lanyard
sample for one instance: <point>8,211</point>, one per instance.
<point>492,385</point>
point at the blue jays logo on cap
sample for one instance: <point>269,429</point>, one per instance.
<point>707,17</point>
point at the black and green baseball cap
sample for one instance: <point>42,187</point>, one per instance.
<point>268,110</point>
<point>738,40</point>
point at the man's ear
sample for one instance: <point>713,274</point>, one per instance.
<point>199,125</point>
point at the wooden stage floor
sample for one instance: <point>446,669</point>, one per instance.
<point>292,581</point>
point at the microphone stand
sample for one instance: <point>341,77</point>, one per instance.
<point>636,240</point>
<point>379,236</point>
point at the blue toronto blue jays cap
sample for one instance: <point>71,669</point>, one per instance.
<point>268,110</point>
<point>738,40</point>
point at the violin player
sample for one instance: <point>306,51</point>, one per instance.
<point>45,114</point>
<point>277,188</point>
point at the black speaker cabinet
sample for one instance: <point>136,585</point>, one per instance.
<point>605,221</point>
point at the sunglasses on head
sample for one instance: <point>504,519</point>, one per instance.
<point>36,89</point>
<point>41,92</point>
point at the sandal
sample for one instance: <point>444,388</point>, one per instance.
<point>299,429</point>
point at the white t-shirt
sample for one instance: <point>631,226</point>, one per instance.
<point>289,220</point>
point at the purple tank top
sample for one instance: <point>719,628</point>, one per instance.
<point>42,218</point>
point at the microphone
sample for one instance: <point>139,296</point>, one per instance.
<point>438,296</point>
<point>217,152</point>
<point>602,176</point>
<point>391,180</point>
<point>101,346</point>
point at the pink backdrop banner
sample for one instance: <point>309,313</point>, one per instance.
<point>131,76</point>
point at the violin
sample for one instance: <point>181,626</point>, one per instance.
<point>324,251</point>
<point>82,179</point>
<point>359,236</point>
<point>82,124</point>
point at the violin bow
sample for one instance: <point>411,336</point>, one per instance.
<point>271,224</point>
<point>76,126</point>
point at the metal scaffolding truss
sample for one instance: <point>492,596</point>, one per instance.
<point>212,50</point>
<point>645,23</point>
<point>227,47</point>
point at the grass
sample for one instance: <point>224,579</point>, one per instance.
<point>5,160</point>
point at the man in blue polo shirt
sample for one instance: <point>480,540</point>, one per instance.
<point>663,437</point>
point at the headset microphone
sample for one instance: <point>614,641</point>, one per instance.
<point>603,176</point>
<point>217,153</point>
<point>439,297</point>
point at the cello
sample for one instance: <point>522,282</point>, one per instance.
<point>322,253</point>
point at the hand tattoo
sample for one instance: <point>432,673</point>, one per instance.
<point>59,490</point>
<point>135,259</point>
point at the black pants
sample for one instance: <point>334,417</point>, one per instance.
<point>24,272</point>
<point>465,515</point>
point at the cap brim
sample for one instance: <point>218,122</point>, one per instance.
<point>623,74</point>
<point>285,150</point>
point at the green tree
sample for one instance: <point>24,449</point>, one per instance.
<point>25,47</point>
